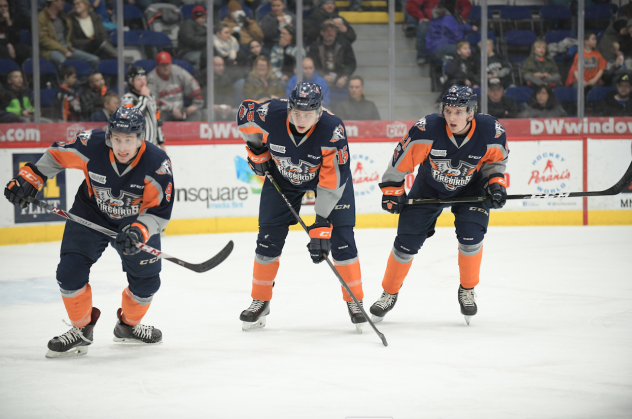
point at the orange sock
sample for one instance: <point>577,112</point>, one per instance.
<point>79,306</point>
<point>263,279</point>
<point>470,268</point>
<point>350,273</point>
<point>134,308</point>
<point>395,274</point>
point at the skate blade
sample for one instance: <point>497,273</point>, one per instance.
<point>259,324</point>
<point>467,319</point>
<point>132,341</point>
<point>71,353</point>
<point>359,327</point>
<point>376,319</point>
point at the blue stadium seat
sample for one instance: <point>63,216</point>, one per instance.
<point>557,36</point>
<point>130,38</point>
<point>184,64</point>
<point>154,39</point>
<point>25,37</point>
<point>83,68</point>
<point>67,8</point>
<point>519,94</point>
<point>477,14</point>
<point>132,12</point>
<point>263,10</point>
<point>109,67</point>
<point>565,94</point>
<point>47,97</point>
<point>515,13</point>
<point>46,67</point>
<point>7,66</point>
<point>555,12</point>
<point>475,37</point>
<point>148,65</point>
<point>598,11</point>
<point>597,94</point>
<point>520,37</point>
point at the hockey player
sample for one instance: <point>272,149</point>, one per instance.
<point>140,97</point>
<point>459,153</point>
<point>128,187</point>
<point>304,147</point>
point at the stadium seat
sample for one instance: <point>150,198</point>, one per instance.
<point>110,67</point>
<point>557,36</point>
<point>7,66</point>
<point>25,37</point>
<point>555,17</point>
<point>154,39</point>
<point>67,8</point>
<point>83,68</point>
<point>518,44</point>
<point>48,73</point>
<point>597,94</point>
<point>476,14</point>
<point>520,94</point>
<point>567,96</point>
<point>47,97</point>
<point>514,14</point>
<point>475,37</point>
<point>184,64</point>
<point>262,11</point>
<point>148,65</point>
<point>597,16</point>
<point>133,17</point>
<point>155,16</point>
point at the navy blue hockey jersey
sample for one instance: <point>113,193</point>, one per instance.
<point>319,161</point>
<point>114,195</point>
<point>448,167</point>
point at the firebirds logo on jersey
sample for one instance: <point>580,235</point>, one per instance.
<point>339,134</point>
<point>124,205</point>
<point>499,129</point>
<point>263,112</point>
<point>421,124</point>
<point>296,173</point>
<point>452,177</point>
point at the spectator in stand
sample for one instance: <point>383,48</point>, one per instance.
<point>242,27</point>
<point>615,67</point>
<point>327,11</point>
<point>10,46</point>
<point>333,56</point>
<point>55,30</point>
<point>227,47</point>
<point>625,40</point>
<point>192,36</point>
<point>224,92</point>
<point>445,31</point>
<point>594,64</point>
<point>539,69</point>
<point>543,104</point>
<point>105,9</point>
<point>16,98</point>
<point>91,97</point>
<point>310,75</point>
<point>261,80</point>
<point>500,106</point>
<point>67,105</point>
<point>283,55</point>
<point>356,107</point>
<point>272,23</point>
<point>171,84</point>
<point>421,13</point>
<point>255,49</point>
<point>618,103</point>
<point>109,104</point>
<point>616,28</point>
<point>88,33</point>
<point>463,69</point>
<point>497,67</point>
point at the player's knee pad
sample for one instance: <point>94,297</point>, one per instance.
<point>343,246</point>
<point>469,233</point>
<point>409,244</point>
<point>402,257</point>
<point>271,240</point>
<point>73,271</point>
<point>143,287</point>
<point>470,249</point>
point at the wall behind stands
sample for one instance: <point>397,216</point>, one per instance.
<point>215,190</point>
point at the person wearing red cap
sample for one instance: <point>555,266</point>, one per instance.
<point>171,84</point>
<point>192,36</point>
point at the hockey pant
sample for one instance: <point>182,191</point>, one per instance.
<point>274,221</point>
<point>417,223</point>
<point>81,247</point>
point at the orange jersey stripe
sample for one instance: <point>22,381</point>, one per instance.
<point>72,161</point>
<point>417,154</point>
<point>327,178</point>
<point>150,197</point>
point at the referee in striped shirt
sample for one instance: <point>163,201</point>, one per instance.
<point>140,97</point>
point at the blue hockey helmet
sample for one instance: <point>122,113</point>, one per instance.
<point>459,96</point>
<point>126,121</point>
<point>306,97</point>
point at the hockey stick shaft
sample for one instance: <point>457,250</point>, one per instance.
<point>331,265</point>
<point>200,267</point>
<point>617,188</point>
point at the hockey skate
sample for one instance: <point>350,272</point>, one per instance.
<point>74,342</point>
<point>356,315</point>
<point>140,333</point>
<point>254,317</point>
<point>383,305</point>
<point>467,301</point>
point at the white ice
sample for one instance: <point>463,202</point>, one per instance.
<point>552,339</point>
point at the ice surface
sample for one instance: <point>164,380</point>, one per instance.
<point>552,338</point>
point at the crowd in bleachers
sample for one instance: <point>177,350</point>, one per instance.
<point>531,55</point>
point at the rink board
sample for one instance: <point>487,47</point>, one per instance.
<point>216,192</point>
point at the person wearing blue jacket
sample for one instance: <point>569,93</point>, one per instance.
<point>445,31</point>
<point>310,75</point>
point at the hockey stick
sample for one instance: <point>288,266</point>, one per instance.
<point>196,267</point>
<point>331,265</point>
<point>616,189</point>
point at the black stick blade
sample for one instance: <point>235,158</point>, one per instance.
<point>209,264</point>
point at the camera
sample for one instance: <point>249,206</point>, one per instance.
<point>240,17</point>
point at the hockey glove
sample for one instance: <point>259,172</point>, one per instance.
<point>496,193</point>
<point>28,181</point>
<point>136,232</point>
<point>320,234</point>
<point>259,159</point>
<point>394,196</point>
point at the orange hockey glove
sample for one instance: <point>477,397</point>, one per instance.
<point>320,243</point>
<point>28,181</point>
<point>259,159</point>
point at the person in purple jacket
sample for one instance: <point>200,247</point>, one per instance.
<point>445,31</point>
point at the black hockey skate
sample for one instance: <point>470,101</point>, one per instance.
<point>383,305</point>
<point>75,341</point>
<point>140,333</point>
<point>254,317</point>
<point>467,300</point>
<point>356,315</point>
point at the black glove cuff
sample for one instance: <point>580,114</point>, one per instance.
<point>387,184</point>
<point>37,172</point>
<point>258,151</point>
